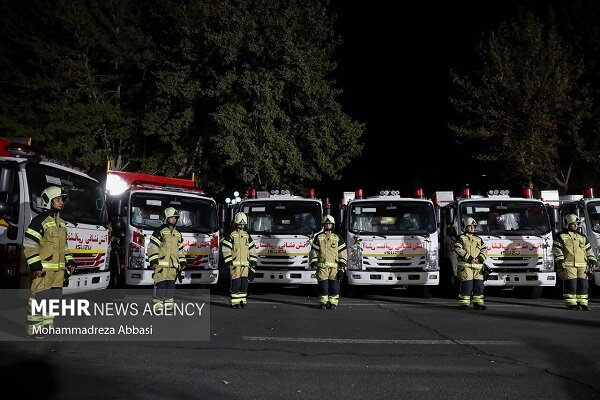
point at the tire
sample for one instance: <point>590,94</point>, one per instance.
<point>423,291</point>
<point>531,292</point>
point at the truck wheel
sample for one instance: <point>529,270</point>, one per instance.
<point>423,291</point>
<point>531,292</point>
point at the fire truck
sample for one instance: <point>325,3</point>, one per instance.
<point>517,232</point>
<point>282,226</point>
<point>24,174</point>
<point>587,208</point>
<point>392,241</point>
<point>136,206</point>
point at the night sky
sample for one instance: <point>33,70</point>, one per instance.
<point>393,68</point>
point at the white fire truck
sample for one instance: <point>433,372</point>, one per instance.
<point>516,230</point>
<point>392,240</point>
<point>136,205</point>
<point>587,208</point>
<point>24,174</point>
<point>282,225</point>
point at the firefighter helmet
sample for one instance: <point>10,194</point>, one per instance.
<point>240,218</point>
<point>571,219</point>
<point>49,194</point>
<point>468,222</point>
<point>171,212</point>
<point>328,219</point>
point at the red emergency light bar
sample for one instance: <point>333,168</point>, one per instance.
<point>15,149</point>
<point>527,193</point>
<point>310,193</point>
<point>327,205</point>
<point>465,193</point>
<point>358,193</point>
<point>419,193</point>
<point>140,178</point>
<point>588,193</point>
<point>251,193</point>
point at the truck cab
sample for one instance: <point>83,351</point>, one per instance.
<point>137,204</point>
<point>392,240</point>
<point>587,208</point>
<point>517,232</point>
<point>282,226</point>
<point>24,174</point>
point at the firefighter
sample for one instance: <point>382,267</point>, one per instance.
<point>328,257</point>
<point>239,256</point>
<point>166,257</point>
<point>574,260</point>
<point>48,257</point>
<point>471,252</point>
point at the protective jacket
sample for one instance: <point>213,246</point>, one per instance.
<point>165,252</point>
<point>469,247</point>
<point>574,249</point>
<point>239,253</point>
<point>45,248</point>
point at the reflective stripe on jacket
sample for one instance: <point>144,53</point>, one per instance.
<point>573,248</point>
<point>328,249</point>
<point>239,249</point>
<point>469,246</point>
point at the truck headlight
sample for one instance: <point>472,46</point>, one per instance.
<point>136,262</point>
<point>431,261</point>
<point>213,258</point>
<point>548,262</point>
<point>355,258</point>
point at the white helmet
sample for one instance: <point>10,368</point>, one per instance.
<point>468,222</point>
<point>328,219</point>
<point>240,218</point>
<point>571,219</point>
<point>49,194</point>
<point>171,212</point>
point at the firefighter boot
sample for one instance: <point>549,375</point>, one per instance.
<point>573,307</point>
<point>584,307</point>
<point>479,306</point>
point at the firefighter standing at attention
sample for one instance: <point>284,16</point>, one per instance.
<point>328,256</point>
<point>574,260</point>
<point>47,254</point>
<point>166,257</point>
<point>239,256</point>
<point>471,252</point>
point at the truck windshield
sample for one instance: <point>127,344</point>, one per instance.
<point>283,217</point>
<point>85,203</point>
<point>392,217</point>
<point>507,217</point>
<point>593,209</point>
<point>196,214</point>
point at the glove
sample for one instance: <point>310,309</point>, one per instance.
<point>313,265</point>
<point>486,271</point>
<point>592,264</point>
<point>560,264</point>
<point>153,263</point>
<point>180,275</point>
<point>182,265</point>
<point>66,277</point>
<point>250,275</point>
<point>340,273</point>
